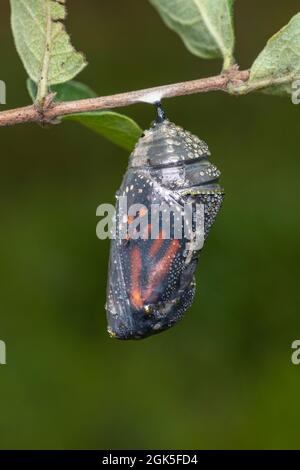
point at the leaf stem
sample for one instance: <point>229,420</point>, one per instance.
<point>52,111</point>
<point>261,84</point>
<point>43,82</point>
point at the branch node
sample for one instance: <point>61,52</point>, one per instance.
<point>48,104</point>
<point>235,80</point>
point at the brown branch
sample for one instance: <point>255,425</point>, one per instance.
<point>52,111</point>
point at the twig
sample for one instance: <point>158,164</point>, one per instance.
<point>55,110</point>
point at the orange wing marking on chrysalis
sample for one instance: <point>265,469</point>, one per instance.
<point>161,269</point>
<point>136,270</point>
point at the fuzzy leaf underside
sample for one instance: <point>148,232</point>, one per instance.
<point>205,26</point>
<point>42,41</point>
<point>279,63</point>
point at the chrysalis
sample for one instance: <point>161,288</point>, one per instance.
<point>155,251</point>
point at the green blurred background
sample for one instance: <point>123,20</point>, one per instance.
<point>223,378</point>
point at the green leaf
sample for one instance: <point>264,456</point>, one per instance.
<point>205,26</point>
<point>278,65</point>
<point>72,90</point>
<point>118,128</point>
<point>115,127</point>
<point>43,43</point>
<point>31,88</point>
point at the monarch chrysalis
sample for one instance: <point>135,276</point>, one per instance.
<point>151,278</point>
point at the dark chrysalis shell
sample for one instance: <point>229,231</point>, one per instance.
<point>151,282</point>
